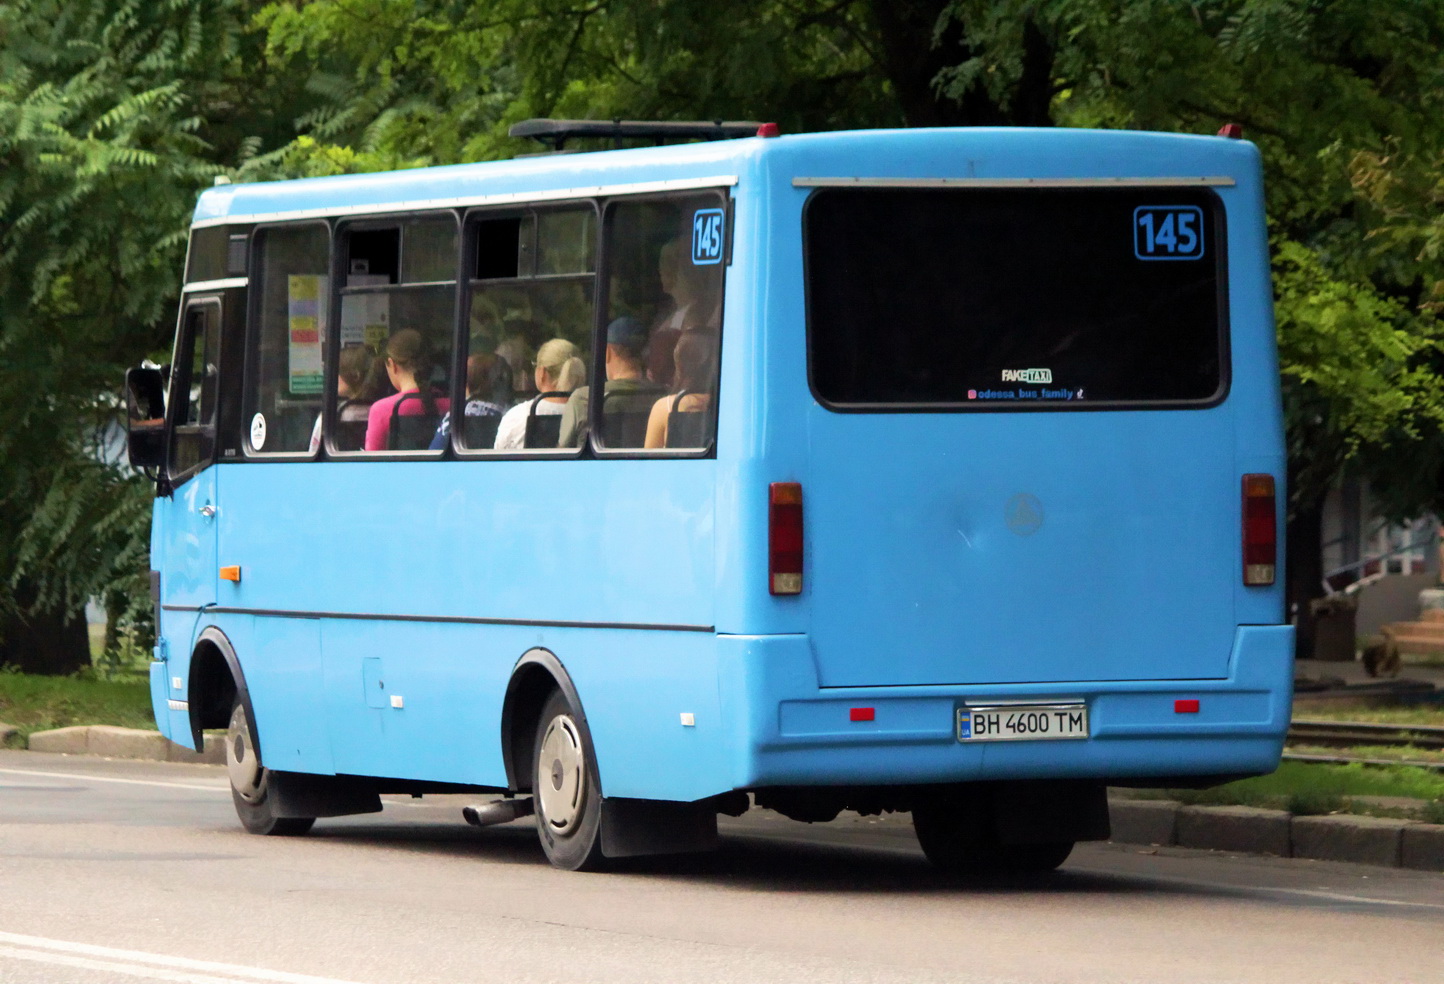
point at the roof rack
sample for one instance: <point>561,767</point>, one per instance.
<point>556,133</point>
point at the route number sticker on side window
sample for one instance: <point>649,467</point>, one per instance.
<point>707,236</point>
<point>1168,232</point>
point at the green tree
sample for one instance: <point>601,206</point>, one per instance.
<point>1343,99</point>
<point>113,114</point>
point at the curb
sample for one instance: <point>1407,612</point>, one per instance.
<point>1245,830</point>
<point>124,743</point>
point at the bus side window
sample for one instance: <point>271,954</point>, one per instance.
<point>286,377</point>
<point>529,318</point>
<point>397,309</point>
<point>666,262</point>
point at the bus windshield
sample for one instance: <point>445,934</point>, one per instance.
<point>1015,297</point>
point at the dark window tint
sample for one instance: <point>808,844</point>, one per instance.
<point>208,254</point>
<point>216,252</point>
<point>1014,297</point>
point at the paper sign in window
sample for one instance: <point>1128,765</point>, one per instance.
<point>305,316</point>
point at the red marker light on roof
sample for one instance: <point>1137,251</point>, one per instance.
<point>1232,131</point>
<point>784,538</point>
<point>1260,531</point>
<point>768,130</point>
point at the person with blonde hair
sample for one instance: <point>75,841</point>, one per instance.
<point>558,369</point>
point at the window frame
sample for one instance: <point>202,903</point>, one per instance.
<point>182,362</point>
<point>466,286</point>
<point>1218,216</point>
<point>255,291</point>
<point>465,217</point>
<point>596,372</point>
<point>331,405</point>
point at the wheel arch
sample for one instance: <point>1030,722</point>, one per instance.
<point>216,679</point>
<point>536,674</point>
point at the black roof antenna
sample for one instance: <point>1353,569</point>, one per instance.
<point>556,133</point>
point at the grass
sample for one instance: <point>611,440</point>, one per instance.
<point>39,703</point>
<point>1421,713</point>
<point>1399,753</point>
<point>1308,789</point>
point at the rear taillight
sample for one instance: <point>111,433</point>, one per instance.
<point>1260,531</point>
<point>784,538</point>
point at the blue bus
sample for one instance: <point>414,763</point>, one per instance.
<point>935,470</point>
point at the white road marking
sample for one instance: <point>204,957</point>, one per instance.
<point>111,967</point>
<point>215,788</point>
<point>1255,890</point>
<point>85,777</point>
<point>136,963</point>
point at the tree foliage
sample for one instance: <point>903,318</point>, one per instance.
<point>112,116</point>
<point>114,113</point>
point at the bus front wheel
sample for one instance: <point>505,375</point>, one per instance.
<point>954,841</point>
<point>250,782</point>
<point>565,789</point>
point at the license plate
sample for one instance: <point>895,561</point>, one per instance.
<point>1022,722</point>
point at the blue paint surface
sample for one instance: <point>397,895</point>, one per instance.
<point>1119,584</point>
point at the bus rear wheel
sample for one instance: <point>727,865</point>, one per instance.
<point>565,790</point>
<point>955,841</point>
<point>250,782</point>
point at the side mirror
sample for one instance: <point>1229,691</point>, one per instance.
<point>145,417</point>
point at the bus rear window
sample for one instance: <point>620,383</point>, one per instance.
<point>998,298</point>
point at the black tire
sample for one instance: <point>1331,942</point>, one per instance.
<point>250,783</point>
<point>565,790</point>
<point>958,841</point>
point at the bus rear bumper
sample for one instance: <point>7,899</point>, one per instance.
<point>796,733</point>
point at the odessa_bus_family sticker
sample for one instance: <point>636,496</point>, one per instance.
<point>1168,232</point>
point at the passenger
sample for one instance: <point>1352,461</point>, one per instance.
<point>407,364</point>
<point>559,369</point>
<point>692,303</point>
<point>355,388</point>
<point>626,375</point>
<point>488,394</point>
<point>518,353</point>
<point>695,358</point>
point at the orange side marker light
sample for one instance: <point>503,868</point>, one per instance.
<point>231,574</point>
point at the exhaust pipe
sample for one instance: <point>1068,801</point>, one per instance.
<point>498,811</point>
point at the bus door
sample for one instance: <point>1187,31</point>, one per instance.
<point>1022,458</point>
<point>186,519</point>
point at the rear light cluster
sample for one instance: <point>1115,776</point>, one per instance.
<point>1260,531</point>
<point>784,538</point>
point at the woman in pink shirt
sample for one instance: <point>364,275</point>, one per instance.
<point>407,365</point>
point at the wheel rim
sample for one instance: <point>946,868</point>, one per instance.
<point>561,776</point>
<point>241,763</point>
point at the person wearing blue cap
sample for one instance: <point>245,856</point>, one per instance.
<point>628,392</point>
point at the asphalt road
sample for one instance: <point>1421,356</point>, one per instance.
<point>126,871</point>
